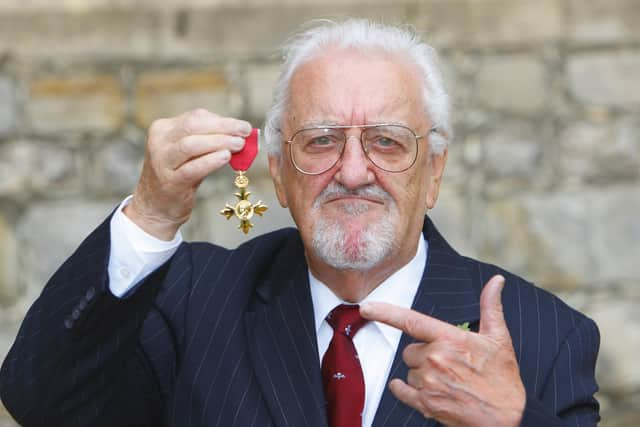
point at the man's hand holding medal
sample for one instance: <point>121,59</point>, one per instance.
<point>181,151</point>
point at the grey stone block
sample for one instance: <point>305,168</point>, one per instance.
<point>255,31</point>
<point>619,320</point>
<point>607,79</point>
<point>514,83</point>
<point>261,79</point>
<point>78,33</point>
<point>8,107</point>
<point>9,288</point>
<point>160,94</point>
<point>84,102</point>
<point>513,158</point>
<point>600,22</point>
<point>490,23</point>
<point>568,240</point>
<point>30,167</point>
<point>116,168</point>
<point>600,152</point>
<point>49,232</point>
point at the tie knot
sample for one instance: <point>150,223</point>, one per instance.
<point>346,320</point>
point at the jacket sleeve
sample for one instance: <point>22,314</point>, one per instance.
<point>77,360</point>
<point>568,396</point>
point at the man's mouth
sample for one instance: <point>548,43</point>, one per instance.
<point>354,198</point>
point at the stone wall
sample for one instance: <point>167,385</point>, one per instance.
<point>543,176</point>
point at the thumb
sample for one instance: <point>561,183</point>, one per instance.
<point>491,315</point>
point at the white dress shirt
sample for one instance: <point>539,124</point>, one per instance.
<point>134,254</point>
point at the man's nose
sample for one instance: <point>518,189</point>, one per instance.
<point>354,168</point>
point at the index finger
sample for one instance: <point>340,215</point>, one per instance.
<point>203,122</point>
<point>420,326</point>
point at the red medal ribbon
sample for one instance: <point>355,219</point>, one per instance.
<point>241,161</point>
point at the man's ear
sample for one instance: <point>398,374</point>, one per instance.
<point>275,169</point>
<point>436,169</point>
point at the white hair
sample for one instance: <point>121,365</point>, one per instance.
<point>364,35</point>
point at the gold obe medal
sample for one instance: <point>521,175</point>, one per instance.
<point>240,162</point>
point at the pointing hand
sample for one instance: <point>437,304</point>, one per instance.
<point>458,377</point>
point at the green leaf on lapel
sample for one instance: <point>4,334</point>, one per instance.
<point>464,326</point>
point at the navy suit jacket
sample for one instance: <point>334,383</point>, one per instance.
<point>219,337</point>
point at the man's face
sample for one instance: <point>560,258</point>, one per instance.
<point>355,215</point>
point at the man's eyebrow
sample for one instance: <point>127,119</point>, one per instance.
<point>314,124</point>
<point>391,122</point>
<point>321,123</point>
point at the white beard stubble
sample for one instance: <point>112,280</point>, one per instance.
<point>373,244</point>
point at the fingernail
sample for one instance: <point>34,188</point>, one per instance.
<point>245,128</point>
<point>237,142</point>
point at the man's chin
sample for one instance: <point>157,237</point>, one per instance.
<point>348,243</point>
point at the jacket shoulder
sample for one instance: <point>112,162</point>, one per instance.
<point>518,290</point>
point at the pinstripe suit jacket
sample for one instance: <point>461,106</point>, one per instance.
<point>226,338</point>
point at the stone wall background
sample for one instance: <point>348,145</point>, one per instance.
<point>543,176</point>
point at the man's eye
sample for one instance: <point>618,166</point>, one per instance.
<point>320,144</point>
<point>321,141</point>
<point>384,142</point>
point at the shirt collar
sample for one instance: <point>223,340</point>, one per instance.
<point>399,289</point>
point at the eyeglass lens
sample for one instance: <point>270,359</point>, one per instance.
<point>390,147</point>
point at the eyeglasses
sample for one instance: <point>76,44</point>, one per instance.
<point>390,147</point>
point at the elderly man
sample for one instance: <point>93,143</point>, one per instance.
<point>363,315</point>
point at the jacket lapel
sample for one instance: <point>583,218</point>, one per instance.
<point>446,292</point>
<point>282,341</point>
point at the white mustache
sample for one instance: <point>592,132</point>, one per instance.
<point>334,190</point>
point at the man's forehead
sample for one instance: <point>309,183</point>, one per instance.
<point>353,88</point>
<point>342,65</point>
<point>314,112</point>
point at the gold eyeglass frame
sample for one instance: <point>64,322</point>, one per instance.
<point>290,142</point>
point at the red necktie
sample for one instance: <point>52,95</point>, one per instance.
<point>341,371</point>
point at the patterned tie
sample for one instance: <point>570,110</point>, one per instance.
<point>341,371</point>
